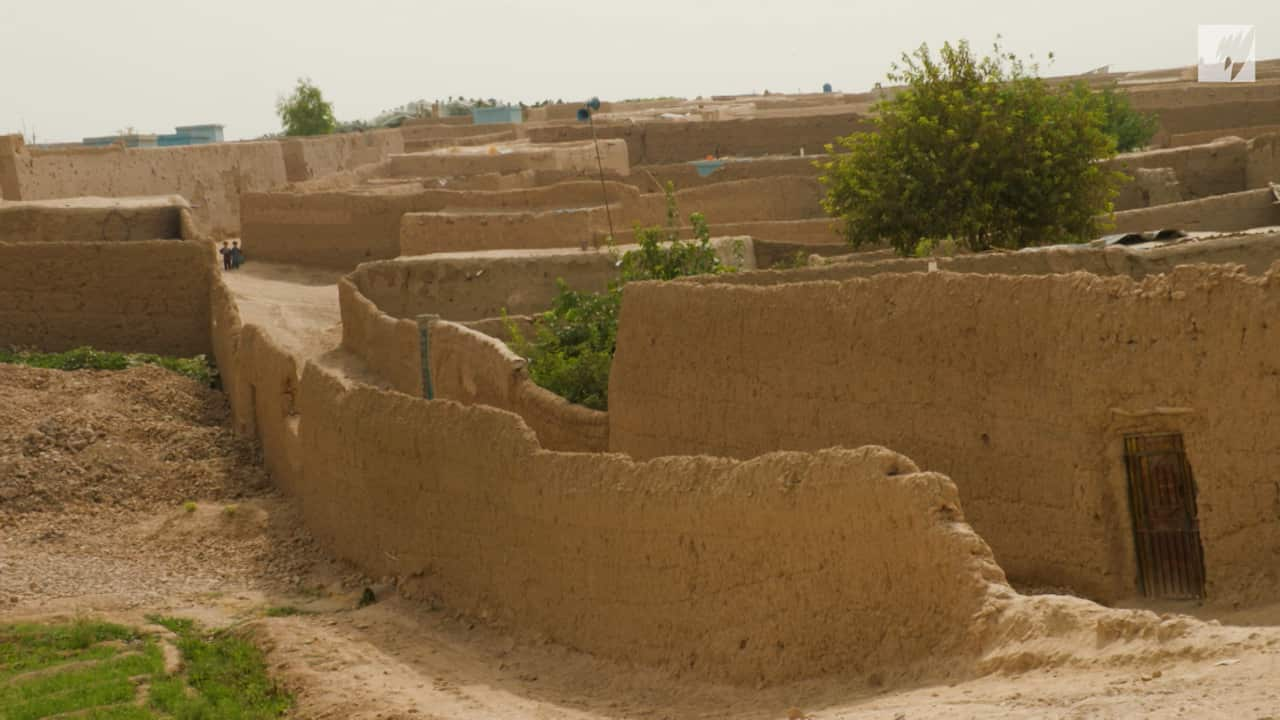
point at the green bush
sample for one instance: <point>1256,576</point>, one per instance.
<point>571,350</point>
<point>306,112</point>
<point>1131,128</point>
<point>977,149</point>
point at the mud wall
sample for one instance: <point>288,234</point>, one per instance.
<point>261,381</point>
<point>659,142</point>
<point>308,158</point>
<point>94,219</point>
<point>1254,252</point>
<point>1203,170</point>
<point>211,177</point>
<point>345,228</point>
<point>146,296</point>
<point>1021,388</point>
<point>568,157</point>
<point>644,561</point>
<point>443,232</point>
<point>1222,213</point>
<point>475,286</point>
<point>475,369</point>
<point>390,347</point>
<point>734,208</point>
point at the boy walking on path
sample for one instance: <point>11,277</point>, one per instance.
<point>237,257</point>
<point>225,252</point>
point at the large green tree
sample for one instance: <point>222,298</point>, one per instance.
<point>978,150</point>
<point>306,112</point>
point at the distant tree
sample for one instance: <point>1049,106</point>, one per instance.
<point>1131,128</point>
<point>979,150</point>
<point>306,112</point>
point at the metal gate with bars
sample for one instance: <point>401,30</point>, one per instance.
<point>1166,527</point>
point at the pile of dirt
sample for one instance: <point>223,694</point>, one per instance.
<point>75,442</point>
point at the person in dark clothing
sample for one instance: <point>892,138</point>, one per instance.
<point>237,257</point>
<point>225,252</point>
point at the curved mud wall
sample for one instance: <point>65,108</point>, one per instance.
<point>644,561</point>
<point>143,296</point>
<point>390,347</point>
<point>1021,388</point>
<point>475,369</point>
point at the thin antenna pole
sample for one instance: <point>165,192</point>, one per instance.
<point>600,165</point>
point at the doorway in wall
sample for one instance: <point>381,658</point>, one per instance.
<point>1166,526</point>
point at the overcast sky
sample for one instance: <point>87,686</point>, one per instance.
<point>91,67</point>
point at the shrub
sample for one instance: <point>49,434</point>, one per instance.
<point>978,149</point>
<point>1132,129</point>
<point>572,347</point>
<point>306,112</point>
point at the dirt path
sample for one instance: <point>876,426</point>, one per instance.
<point>297,306</point>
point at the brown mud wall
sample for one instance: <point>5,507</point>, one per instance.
<point>211,177</point>
<point>345,228</point>
<point>658,142</point>
<point>475,369</point>
<point>734,208</point>
<point>308,158</point>
<point>1221,213</point>
<point>146,296</point>
<point>479,286</point>
<point>644,561</point>
<point>94,219</point>
<point>1214,169</point>
<point>261,381</point>
<point>1021,388</point>
<point>389,346</point>
<point>567,157</point>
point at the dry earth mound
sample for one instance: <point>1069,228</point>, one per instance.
<point>79,441</point>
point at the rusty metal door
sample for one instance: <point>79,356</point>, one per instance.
<point>1166,527</point>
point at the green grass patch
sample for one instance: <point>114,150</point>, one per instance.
<point>284,611</point>
<point>86,358</point>
<point>95,670</point>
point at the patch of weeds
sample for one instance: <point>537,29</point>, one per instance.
<point>48,670</point>
<point>189,506</point>
<point>230,510</point>
<point>284,611</point>
<point>197,368</point>
<point>227,672</point>
<point>367,598</point>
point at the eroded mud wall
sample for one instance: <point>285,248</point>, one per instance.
<point>475,369</point>
<point>645,561</point>
<point>390,346</point>
<point>145,296</point>
<point>1020,388</point>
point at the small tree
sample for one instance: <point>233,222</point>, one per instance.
<point>980,150</point>
<point>306,112</point>
<point>1131,128</point>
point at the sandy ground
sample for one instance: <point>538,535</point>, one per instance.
<point>110,536</point>
<point>299,306</point>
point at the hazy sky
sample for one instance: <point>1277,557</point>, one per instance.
<point>92,67</point>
